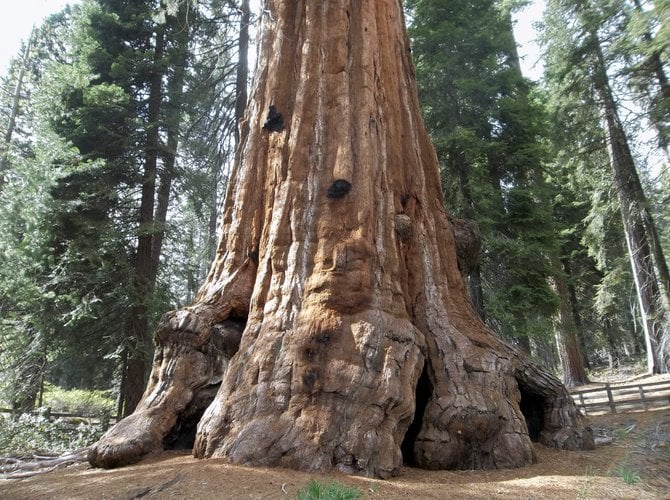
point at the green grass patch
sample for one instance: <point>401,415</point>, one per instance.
<point>330,491</point>
<point>79,401</point>
<point>629,476</point>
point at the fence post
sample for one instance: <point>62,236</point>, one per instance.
<point>610,399</point>
<point>644,400</point>
<point>581,400</point>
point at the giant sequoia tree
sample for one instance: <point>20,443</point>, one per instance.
<point>337,268</point>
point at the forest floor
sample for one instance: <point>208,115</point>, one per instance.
<point>635,464</point>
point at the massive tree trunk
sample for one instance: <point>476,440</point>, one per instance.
<point>360,347</point>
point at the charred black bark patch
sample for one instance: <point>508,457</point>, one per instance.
<point>338,189</point>
<point>274,121</point>
<point>310,378</point>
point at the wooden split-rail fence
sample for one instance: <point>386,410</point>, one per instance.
<point>623,398</point>
<point>48,414</point>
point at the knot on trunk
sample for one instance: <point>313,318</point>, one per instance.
<point>468,244</point>
<point>403,226</point>
<point>338,189</point>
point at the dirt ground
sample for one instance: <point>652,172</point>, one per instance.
<point>639,451</point>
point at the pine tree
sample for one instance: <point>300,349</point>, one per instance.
<point>488,135</point>
<point>578,67</point>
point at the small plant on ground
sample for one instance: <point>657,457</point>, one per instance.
<point>331,491</point>
<point>629,476</point>
<point>591,472</point>
<point>620,433</point>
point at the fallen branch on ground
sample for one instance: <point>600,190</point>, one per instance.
<point>22,467</point>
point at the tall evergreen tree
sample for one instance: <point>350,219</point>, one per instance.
<point>100,76</point>
<point>33,159</point>
<point>488,134</point>
<point>577,68</point>
<point>645,48</point>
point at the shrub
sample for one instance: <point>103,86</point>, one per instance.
<point>29,434</point>
<point>628,475</point>
<point>81,402</point>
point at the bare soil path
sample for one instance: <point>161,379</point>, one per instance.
<point>640,450</point>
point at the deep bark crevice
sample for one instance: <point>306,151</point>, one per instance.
<point>532,407</point>
<point>182,434</point>
<point>424,389</point>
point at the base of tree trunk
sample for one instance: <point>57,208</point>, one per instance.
<point>394,405</point>
<point>189,363</point>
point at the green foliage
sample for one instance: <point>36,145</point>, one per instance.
<point>27,319</point>
<point>628,474</point>
<point>578,38</point>
<point>69,210</point>
<point>330,491</point>
<point>79,401</point>
<point>488,129</point>
<point>31,434</point>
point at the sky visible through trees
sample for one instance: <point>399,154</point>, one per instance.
<point>19,17</point>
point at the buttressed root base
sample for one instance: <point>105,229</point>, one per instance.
<point>360,348</point>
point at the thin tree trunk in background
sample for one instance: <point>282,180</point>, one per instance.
<point>14,112</point>
<point>138,323</point>
<point>241,98</point>
<point>474,277</point>
<point>574,303</point>
<point>476,292</point>
<point>646,258</point>
<point>173,111</point>
<point>242,68</point>
<point>120,400</point>
<point>565,330</point>
<point>511,46</point>
<point>611,340</point>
